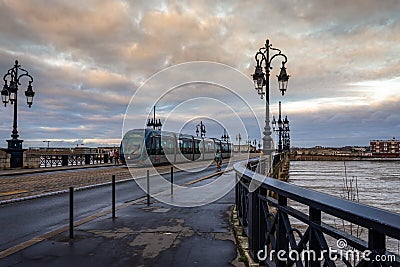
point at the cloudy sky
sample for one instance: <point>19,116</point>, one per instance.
<point>89,58</point>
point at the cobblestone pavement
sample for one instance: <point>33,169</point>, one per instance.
<point>34,184</point>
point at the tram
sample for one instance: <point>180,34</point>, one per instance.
<point>141,147</point>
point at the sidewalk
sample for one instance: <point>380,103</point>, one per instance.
<point>159,235</point>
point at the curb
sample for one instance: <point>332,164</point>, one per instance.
<point>242,241</point>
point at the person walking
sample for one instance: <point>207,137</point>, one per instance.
<point>116,156</point>
<point>110,155</point>
<point>218,160</point>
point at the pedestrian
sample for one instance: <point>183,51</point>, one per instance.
<point>218,160</point>
<point>116,156</point>
<point>110,155</point>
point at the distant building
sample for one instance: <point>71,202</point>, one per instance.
<point>385,148</point>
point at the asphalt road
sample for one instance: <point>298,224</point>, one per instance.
<point>25,220</point>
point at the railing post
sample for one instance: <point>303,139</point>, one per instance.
<point>315,217</point>
<point>64,160</point>
<point>148,188</point>
<point>253,224</point>
<point>172,181</point>
<point>377,244</point>
<point>238,199</point>
<point>237,192</point>
<point>282,242</point>
<point>262,219</point>
<point>71,212</point>
<point>45,160</point>
<point>113,196</point>
<point>87,159</point>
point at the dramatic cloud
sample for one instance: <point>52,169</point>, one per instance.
<point>89,58</point>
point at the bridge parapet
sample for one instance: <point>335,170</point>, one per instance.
<point>73,159</point>
<point>281,235</point>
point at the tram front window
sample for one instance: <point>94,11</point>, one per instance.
<point>132,144</point>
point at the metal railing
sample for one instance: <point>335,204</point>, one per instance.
<point>280,235</point>
<point>73,160</point>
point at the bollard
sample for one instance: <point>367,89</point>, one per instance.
<point>71,212</point>
<point>148,188</point>
<point>172,181</point>
<point>113,196</point>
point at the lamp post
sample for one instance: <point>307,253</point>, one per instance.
<point>10,94</point>
<point>261,80</point>
<point>248,143</point>
<point>48,143</point>
<point>278,126</point>
<point>225,136</point>
<point>239,138</point>
<point>255,145</point>
<point>286,134</point>
<point>202,129</point>
<point>281,127</point>
<point>153,123</point>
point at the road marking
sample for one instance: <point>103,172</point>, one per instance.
<point>14,249</point>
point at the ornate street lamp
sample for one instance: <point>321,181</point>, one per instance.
<point>286,135</point>
<point>277,126</point>
<point>153,123</point>
<point>255,145</point>
<point>12,79</point>
<point>261,80</point>
<point>225,136</point>
<point>281,127</point>
<point>202,129</point>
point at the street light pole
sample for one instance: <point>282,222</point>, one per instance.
<point>225,136</point>
<point>248,143</point>
<point>202,129</point>
<point>239,138</point>
<point>255,145</point>
<point>261,79</point>
<point>48,143</point>
<point>280,129</point>
<point>286,134</point>
<point>10,94</point>
<point>156,125</point>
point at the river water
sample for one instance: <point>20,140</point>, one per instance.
<point>378,184</point>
